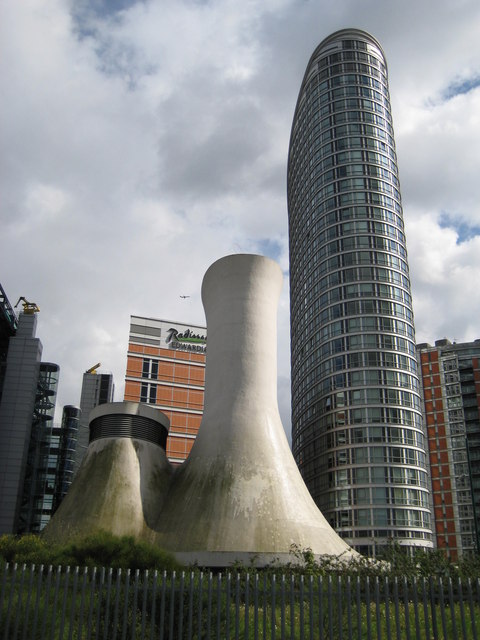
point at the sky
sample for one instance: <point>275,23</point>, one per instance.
<point>141,140</point>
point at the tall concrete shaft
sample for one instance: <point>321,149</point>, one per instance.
<point>239,496</point>
<point>357,425</point>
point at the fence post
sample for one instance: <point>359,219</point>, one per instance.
<point>10,601</point>
<point>190,605</point>
<point>146,576</point>
<point>388,628</point>
<point>397,607</point>
<point>320,608</point>
<point>82,602</point>
<point>209,605</point>
<point>377,609</point>
<point>415,606</point>
<point>330,608</point>
<point>93,584</point>
<point>300,604</point>
<point>172,607</point>
<point>311,605</point>
<point>292,606</point>
<point>154,604</point>
<point>461,606</point>
<point>27,604</point>
<point>199,615</point>
<point>219,603</point>
<point>227,604</point>
<point>54,608</point>
<point>19,602</point>
<point>107,604</point>
<point>367,605</point>
<point>273,587</point>
<point>117,604</point>
<point>135,604</point>
<point>247,603</point>
<point>472,608</point>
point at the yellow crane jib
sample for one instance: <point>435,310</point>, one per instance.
<point>94,368</point>
<point>28,307</point>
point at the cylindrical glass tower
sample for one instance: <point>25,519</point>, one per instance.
<point>357,424</point>
<point>66,452</point>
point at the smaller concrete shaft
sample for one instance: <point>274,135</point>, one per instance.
<point>122,479</point>
<point>239,496</point>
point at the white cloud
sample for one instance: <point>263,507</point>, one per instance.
<point>444,280</point>
<point>144,140</point>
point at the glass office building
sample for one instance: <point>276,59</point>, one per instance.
<point>67,442</point>
<point>41,468</point>
<point>357,427</point>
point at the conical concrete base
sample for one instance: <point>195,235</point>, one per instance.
<point>239,496</point>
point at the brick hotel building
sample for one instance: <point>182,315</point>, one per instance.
<point>166,368</point>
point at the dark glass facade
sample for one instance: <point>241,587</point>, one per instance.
<point>358,436</point>
<point>8,327</point>
<point>41,470</point>
<point>67,441</point>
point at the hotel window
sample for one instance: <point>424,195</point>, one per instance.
<point>150,368</point>
<point>148,393</point>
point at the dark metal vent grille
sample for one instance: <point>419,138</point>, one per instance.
<point>128,426</point>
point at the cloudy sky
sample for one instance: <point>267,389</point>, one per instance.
<point>143,139</point>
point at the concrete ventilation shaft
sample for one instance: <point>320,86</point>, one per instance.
<point>239,496</point>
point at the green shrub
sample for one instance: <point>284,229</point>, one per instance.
<point>106,550</point>
<point>101,549</point>
<point>29,548</point>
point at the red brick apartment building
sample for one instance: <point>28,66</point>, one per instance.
<point>450,375</point>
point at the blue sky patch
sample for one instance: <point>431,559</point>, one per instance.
<point>463,230</point>
<point>86,12</point>
<point>105,8</point>
<point>459,87</point>
<point>270,248</point>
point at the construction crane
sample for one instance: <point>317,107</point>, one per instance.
<point>94,368</point>
<point>28,307</point>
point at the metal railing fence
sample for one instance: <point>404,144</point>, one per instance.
<point>60,603</point>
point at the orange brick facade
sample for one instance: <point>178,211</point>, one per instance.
<point>170,374</point>
<point>443,515</point>
<point>450,377</point>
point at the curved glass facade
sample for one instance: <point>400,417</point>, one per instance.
<point>66,452</point>
<point>358,437</point>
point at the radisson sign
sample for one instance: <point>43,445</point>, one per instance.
<point>186,340</point>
